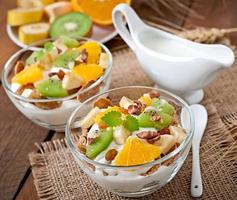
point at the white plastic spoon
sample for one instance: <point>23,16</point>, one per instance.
<point>200,117</point>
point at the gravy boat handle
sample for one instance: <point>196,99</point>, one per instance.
<point>133,21</point>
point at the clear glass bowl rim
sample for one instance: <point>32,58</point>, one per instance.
<point>81,156</point>
<point>32,47</point>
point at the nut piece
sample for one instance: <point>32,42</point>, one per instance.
<point>103,103</point>
<point>134,109</point>
<point>125,102</point>
<point>152,170</point>
<point>178,133</point>
<point>111,154</point>
<point>104,60</point>
<point>23,87</point>
<point>60,74</point>
<point>71,81</point>
<point>82,143</point>
<point>82,58</point>
<point>20,65</point>
<point>148,134</point>
<point>154,94</point>
<point>165,131</point>
<point>90,118</point>
<point>166,142</point>
<point>48,105</point>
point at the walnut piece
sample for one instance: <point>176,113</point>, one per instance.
<point>148,134</point>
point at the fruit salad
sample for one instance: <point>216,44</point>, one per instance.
<point>132,133</point>
<point>61,68</point>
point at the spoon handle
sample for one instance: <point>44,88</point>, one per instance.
<point>196,183</point>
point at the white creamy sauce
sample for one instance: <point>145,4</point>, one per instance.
<point>169,47</point>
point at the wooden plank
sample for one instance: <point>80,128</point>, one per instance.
<point>17,138</point>
<point>7,47</point>
<point>28,190</point>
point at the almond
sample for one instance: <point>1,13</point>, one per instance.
<point>103,103</point>
<point>152,170</point>
<point>111,154</point>
<point>48,105</point>
<point>20,65</point>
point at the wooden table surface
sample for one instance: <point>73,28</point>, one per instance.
<point>18,134</point>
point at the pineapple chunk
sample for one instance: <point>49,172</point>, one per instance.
<point>71,81</point>
<point>125,102</point>
<point>166,142</point>
<point>178,133</point>
<point>90,118</point>
<point>104,60</point>
<point>120,135</point>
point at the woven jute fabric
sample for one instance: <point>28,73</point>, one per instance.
<point>57,175</point>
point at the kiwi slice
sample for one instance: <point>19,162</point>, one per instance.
<point>163,106</point>
<point>63,59</point>
<point>145,120</point>
<point>74,24</point>
<point>52,88</point>
<point>100,144</point>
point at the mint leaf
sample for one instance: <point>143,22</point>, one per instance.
<point>112,118</point>
<point>131,123</point>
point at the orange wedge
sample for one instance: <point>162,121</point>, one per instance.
<point>136,152</point>
<point>88,72</point>
<point>99,10</point>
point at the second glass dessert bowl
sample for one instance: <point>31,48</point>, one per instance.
<point>127,148</point>
<point>48,80</point>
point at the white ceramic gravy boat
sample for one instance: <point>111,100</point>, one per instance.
<point>176,64</point>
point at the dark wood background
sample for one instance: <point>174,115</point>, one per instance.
<point>18,135</point>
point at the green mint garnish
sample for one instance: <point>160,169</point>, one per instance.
<point>113,118</point>
<point>131,123</point>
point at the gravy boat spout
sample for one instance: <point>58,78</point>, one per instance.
<point>173,63</point>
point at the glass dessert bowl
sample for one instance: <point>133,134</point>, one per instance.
<point>49,80</point>
<point>131,140</point>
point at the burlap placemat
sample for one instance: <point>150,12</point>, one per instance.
<point>57,176</point>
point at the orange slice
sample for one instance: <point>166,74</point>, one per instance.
<point>88,72</point>
<point>30,74</point>
<point>136,152</point>
<point>93,49</point>
<point>99,10</point>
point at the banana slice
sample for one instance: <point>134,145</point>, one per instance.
<point>29,3</point>
<point>166,142</point>
<point>33,32</point>
<point>125,102</point>
<point>178,133</point>
<point>56,9</point>
<point>90,118</point>
<point>21,16</point>
<point>104,60</point>
<point>71,81</point>
<point>120,135</point>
